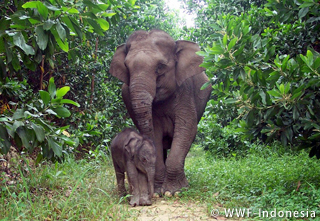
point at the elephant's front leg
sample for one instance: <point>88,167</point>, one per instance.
<point>133,179</point>
<point>160,166</point>
<point>145,199</point>
<point>184,134</point>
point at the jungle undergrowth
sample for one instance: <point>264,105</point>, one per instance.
<point>86,189</point>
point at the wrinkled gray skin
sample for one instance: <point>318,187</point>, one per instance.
<point>161,90</point>
<point>134,154</point>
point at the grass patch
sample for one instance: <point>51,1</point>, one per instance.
<point>288,182</point>
<point>86,190</point>
<point>72,190</point>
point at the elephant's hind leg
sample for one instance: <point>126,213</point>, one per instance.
<point>120,181</point>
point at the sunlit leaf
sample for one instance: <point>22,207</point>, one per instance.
<point>225,40</point>
<point>62,91</point>
<point>73,11</point>
<point>42,9</point>
<point>103,24</point>
<point>63,45</point>
<point>232,43</point>
<point>67,101</point>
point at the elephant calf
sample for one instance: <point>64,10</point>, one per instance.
<point>134,154</point>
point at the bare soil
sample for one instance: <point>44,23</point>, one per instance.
<point>162,210</point>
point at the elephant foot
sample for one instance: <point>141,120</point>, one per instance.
<point>173,187</point>
<point>134,201</point>
<point>169,194</point>
<point>145,202</point>
<point>157,188</point>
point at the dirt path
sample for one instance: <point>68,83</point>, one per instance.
<point>162,210</point>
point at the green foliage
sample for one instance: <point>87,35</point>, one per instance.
<point>259,79</point>
<point>281,180</point>
<point>40,39</point>
<point>72,189</point>
<point>38,30</point>
<point>221,140</point>
<point>31,126</point>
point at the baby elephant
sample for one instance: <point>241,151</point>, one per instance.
<point>134,154</point>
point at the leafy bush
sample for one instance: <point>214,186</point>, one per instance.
<point>281,180</point>
<point>253,66</point>
<point>221,140</point>
<point>32,125</point>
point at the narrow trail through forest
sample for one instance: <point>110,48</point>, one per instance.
<point>162,210</point>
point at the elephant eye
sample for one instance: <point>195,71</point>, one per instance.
<point>160,68</point>
<point>144,160</point>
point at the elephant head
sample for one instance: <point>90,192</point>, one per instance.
<point>141,151</point>
<point>153,66</point>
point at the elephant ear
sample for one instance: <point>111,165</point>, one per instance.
<point>187,61</point>
<point>131,146</point>
<point>117,67</point>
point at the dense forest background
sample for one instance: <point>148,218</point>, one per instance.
<point>258,143</point>
<point>56,94</point>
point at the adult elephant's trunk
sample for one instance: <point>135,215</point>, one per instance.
<point>142,95</point>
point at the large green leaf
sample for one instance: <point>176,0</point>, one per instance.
<point>31,4</point>
<point>39,131</point>
<point>68,141</point>
<point>63,45</point>
<point>57,149</point>
<point>103,24</point>
<point>61,31</point>
<point>45,97</point>
<point>63,91</point>
<point>4,141</point>
<point>18,114</point>
<point>16,125</point>
<point>48,24</point>
<point>95,26</point>
<point>42,9</point>
<point>73,11</point>
<point>22,132</point>
<point>62,111</point>
<point>205,85</point>
<point>232,43</point>
<point>8,52</point>
<point>19,41</point>
<point>67,101</point>
<point>52,87</point>
<point>51,7</point>
<point>216,49</point>
<point>42,37</point>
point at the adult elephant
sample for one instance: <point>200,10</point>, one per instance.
<point>161,90</point>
